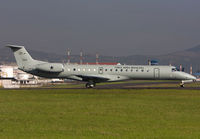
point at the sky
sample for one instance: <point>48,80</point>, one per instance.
<point>109,27</point>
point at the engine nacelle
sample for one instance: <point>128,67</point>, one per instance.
<point>50,67</point>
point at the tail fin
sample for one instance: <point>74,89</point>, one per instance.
<point>22,57</point>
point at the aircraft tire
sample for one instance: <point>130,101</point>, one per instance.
<point>182,85</point>
<point>90,85</point>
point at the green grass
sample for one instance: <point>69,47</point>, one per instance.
<point>99,114</point>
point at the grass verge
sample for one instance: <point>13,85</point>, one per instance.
<point>99,114</point>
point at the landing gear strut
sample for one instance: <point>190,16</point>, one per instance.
<point>90,85</point>
<point>182,85</point>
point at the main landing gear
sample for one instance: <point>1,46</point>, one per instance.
<point>90,85</point>
<point>182,85</point>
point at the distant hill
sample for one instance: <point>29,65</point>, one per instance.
<point>186,58</point>
<point>194,49</point>
<point>6,55</point>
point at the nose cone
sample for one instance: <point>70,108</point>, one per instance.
<point>185,76</point>
<point>190,77</point>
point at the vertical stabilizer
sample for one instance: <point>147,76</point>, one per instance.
<point>23,59</point>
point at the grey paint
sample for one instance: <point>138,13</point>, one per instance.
<point>95,73</point>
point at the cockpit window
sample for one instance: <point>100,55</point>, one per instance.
<point>174,69</point>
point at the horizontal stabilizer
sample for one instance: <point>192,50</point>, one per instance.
<point>8,78</point>
<point>14,46</point>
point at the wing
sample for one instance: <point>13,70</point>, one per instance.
<point>94,78</point>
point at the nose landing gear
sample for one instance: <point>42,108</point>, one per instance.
<point>186,81</point>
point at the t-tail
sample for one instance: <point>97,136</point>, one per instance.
<point>24,60</point>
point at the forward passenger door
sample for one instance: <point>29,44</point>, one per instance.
<point>156,73</point>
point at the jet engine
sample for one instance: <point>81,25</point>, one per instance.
<point>50,67</point>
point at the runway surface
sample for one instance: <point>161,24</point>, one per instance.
<point>146,85</point>
<point>126,85</point>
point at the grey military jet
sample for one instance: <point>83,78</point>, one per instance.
<point>92,74</point>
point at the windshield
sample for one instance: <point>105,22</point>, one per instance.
<point>174,69</point>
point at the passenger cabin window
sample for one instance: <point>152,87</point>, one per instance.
<point>74,69</point>
<point>110,69</point>
<point>105,69</point>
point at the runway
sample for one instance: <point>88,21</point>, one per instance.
<point>126,85</point>
<point>147,85</point>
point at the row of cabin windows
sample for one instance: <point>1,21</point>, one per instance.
<point>74,69</point>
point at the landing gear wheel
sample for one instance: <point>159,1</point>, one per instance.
<point>90,85</point>
<point>182,85</point>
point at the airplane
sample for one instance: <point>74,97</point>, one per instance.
<point>92,74</point>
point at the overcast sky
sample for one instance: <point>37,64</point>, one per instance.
<point>110,27</point>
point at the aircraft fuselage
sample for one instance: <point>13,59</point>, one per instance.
<point>93,74</point>
<point>116,72</point>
